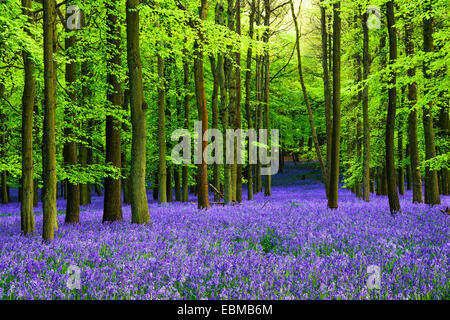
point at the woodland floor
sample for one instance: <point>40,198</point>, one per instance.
<point>288,246</point>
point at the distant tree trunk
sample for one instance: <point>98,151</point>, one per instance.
<point>162,178</point>
<point>248,108</point>
<point>49,142</point>
<point>223,105</point>
<point>431,179</point>
<point>305,96</point>
<point>408,169</point>
<point>176,178</point>
<point>215,122</point>
<point>139,205</point>
<point>444,125</point>
<point>27,197</point>
<point>124,152</point>
<point>3,174</point>
<point>113,189</point>
<point>237,119</point>
<point>84,150</point>
<point>326,87</point>
<point>365,110</point>
<point>267,11</point>
<point>169,191</point>
<point>185,169</point>
<point>203,198</point>
<point>394,204</point>
<point>259,67</point>
<point>231,81</point>
<point>70,147</point>
<point>401,171</point>
<point>155,186</point>
<point>335,146</point>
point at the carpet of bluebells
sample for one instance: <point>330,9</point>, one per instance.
<point>288,246</point>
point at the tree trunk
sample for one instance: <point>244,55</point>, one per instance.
<point>248,108</point>
<point>113,189</point>
<point>237,119</point>
<point>326,87</point>
<point>365,111</point>
<point>139,205</point>
<point>431,179</point>
<point>70,147</point>
<point>162,178</point>
<point>215,122</point>
<point>203,196</point>
<point>336,141</point>
<point>49,142</point>
<point>185,169</point>
<point>305,96</point>
<point>266,123</point>
<point>27,197</point>
<point>401,171</point>
<point>223,105</point>
<point>394,204</point>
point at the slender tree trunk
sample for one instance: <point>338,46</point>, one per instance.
<point>401,171</point>
<point>336,141</point>
<point>26,209</point>
<point>365,111</point>
<point>162,178</point>
<point>185,169</point>
<point>215,122</point>
<point>223,105</point>
<point>394,204</point>
<point>305,96</point>
<point>267,11</point>
<point>203,198</point>
<point>169,191</point>
<point>139,205</point>
<point>176,178</point>
<point>113,189</point>
<point>431,179</point>
<point>237,120</point>
<point>70,147</point>
<point>444,125</point>
<point>248,108</point>
<point>326,87</point>
<point>49,142</point>
<point>124,153</point>
<point>84,148</point>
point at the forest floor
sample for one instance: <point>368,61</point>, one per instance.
<point>288,246</point>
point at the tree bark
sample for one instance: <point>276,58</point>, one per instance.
<point>49,143</point>
<point>28,98</point>
<point>70,147</point>
<point>185,169</point>
<point>139,205</point>
<point>336,141</point>
<point>237,119</point>
<point>223,105</point>
<point>248,108</point>
<point>266,123</point>
<point>162,178</point>
<point>203,197</point>
<point>432,196</point>
<point>365,111</point>
<point>112,210</point>
<point>394,204</point>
